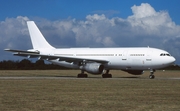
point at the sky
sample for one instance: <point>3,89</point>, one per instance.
<point>91,23</point>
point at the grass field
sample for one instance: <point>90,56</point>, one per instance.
<point>123,92</point>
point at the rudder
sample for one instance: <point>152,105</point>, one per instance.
<point>37,39</point>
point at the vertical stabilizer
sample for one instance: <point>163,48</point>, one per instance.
<point>37,39</point>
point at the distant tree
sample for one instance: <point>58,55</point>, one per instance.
<point>172,67</point>
<point>40,64</point>
<point>6,65</point>
<point>25,64</point>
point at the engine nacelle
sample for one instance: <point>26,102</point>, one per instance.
<point>93,68</point>
<point>135,72</point>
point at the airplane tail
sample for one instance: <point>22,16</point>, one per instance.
<point>37,39</point>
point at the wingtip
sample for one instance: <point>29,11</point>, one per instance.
<point>6,49</point>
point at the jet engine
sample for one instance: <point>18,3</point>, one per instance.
<point>93,68</point>
<point>135,72</point>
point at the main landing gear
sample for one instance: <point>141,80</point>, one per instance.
<point>107,75</point>
<point>151,76</point>
<point>82,75</point>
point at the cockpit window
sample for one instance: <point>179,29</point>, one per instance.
<point>165,54</point>
<point>168,55</point>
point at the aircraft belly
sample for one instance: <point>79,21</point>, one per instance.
<point>116,64</point>
<point>127,64</point>
<point>136,63</point>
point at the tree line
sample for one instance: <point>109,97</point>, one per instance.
<point>26,64</point>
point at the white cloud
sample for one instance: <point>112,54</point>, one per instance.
<point>145,10</point>
<point>148,21</point>
<point>95,17</point>
<point>13,34</point>
<point>146,27</point>
<point>107,41</point>
<point>13,30</point>
<point>107,13</point>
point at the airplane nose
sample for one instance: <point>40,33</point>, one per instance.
<point>169,60</point>
<point>173,59</point>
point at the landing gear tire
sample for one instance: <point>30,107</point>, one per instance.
<point>82,75</point>
<point>151,76</point>
<point>107,76</point>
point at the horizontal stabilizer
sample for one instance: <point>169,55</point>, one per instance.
<point>22,51</point>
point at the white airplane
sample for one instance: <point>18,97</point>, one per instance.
<point>96,60</point>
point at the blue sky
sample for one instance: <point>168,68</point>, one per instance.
<point>92,23</point>
<point>62,9</point>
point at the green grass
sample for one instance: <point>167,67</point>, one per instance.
<point>123,92</point>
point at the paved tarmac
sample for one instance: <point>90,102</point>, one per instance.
<point>70,77</point>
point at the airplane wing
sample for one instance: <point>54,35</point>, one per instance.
<point>36,54</point>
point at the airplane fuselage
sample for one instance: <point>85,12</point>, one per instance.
<point>119,58</point>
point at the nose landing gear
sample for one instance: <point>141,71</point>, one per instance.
<point>152,76</point>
